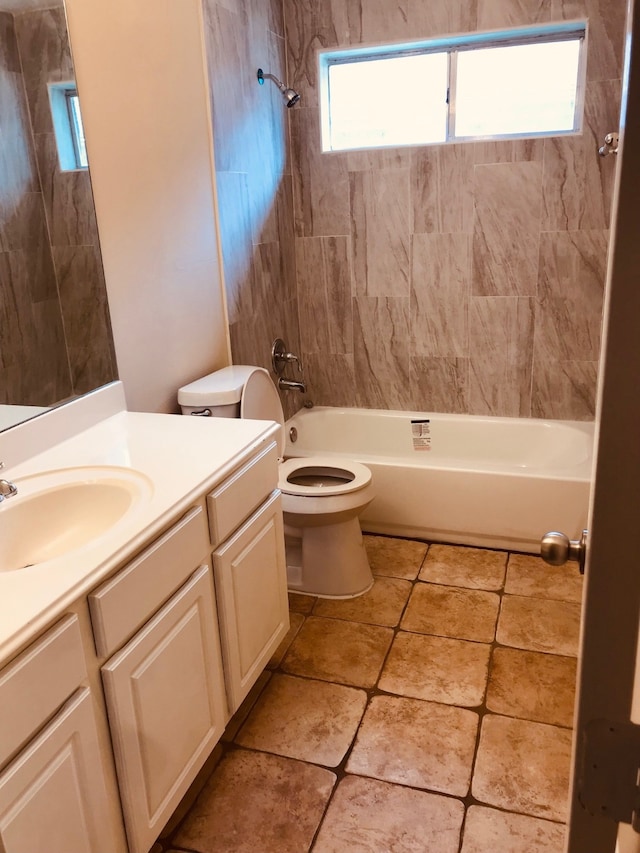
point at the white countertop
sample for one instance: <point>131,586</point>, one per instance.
<point>182,458</point>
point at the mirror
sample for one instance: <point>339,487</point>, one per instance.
<point>55,332</point>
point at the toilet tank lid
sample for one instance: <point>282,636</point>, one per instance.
<point>220,388</point>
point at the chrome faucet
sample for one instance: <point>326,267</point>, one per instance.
<point>7,490</point>
<point>292,385</point>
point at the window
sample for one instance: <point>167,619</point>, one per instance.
<point>506,84</point>
<point>67,125</point>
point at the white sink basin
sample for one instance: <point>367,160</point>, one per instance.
<point>60,511</point>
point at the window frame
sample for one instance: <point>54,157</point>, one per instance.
<point>453,46</point>
<point>67,126</point>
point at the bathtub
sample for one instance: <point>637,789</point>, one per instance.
<point>464,479</point>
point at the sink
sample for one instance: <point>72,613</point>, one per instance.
<point>57,512</point>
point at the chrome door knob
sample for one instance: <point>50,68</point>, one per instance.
<point>557,549</point>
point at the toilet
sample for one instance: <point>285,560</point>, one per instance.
<point>321,500</point>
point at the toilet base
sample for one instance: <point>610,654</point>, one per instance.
<point>328,561</point>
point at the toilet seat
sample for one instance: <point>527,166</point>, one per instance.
<point>358,476</point>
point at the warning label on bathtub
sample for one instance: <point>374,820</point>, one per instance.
<point>421,434</point>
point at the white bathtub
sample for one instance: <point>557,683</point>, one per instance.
<point>491,482</point>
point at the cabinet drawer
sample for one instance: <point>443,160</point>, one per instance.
<point>241,493</point>
<point>38,682</point>
<point>121,605</point>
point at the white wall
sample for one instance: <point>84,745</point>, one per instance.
<point>142,80</point>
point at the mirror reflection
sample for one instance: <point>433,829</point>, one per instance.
<point>55,334</point>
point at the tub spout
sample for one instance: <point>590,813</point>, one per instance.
<point>292,385</point>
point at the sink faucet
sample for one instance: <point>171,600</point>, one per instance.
<point>7,490</point>
<point>292,385</point>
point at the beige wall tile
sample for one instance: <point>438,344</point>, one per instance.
<point>523,767</point>
<point>330,378</point>
<point>436,19</point>
<point>474,568</point>
<point>369,816</point>
<point>578,186</point>
<point>324,283</point>
<point>532,686</point>
<point>287,798</point>
<point>539,625</point>
<point>500,352</point>
<point>452,612</point>
<point>320,181</point>
<point>381,352</point>
<point>508,204</point>
<point>564,389</point>
<point>442,189</point>
<point>508,150</point>
<point>381,245</point>
<point>309,720</point>
<point>495,14</point>
<point>440,292</point>
<point>421,744</point>
<point>436,668</point>
<point>489,829</point>
<point>440,384</point>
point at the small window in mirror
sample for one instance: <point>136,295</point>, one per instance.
<point>67,125</point>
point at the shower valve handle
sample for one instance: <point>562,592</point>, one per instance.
<point>557,549</point>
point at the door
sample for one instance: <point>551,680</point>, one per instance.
<point>612,588</point>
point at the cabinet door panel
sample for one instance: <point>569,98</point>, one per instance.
<point>251,587</point>
<point>165,698</point>
<point>52,797</point>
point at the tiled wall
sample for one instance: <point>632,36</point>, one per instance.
<point>33,358</point>
<point>254,182</point>
<point>454,278</point>
<point>43,45</point>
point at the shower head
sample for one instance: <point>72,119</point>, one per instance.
<point>291,97</point>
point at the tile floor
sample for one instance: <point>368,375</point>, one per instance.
<point>431,715</point>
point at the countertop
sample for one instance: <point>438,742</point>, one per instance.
<point>182,458</point>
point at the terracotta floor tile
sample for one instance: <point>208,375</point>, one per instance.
<point>396,558</point>
<point>454,565</point>
<point>367,816</point>
<point>491,831</point>
<point>381,605</point>
<point>523,767</point>
<point>416,743</point>
<point>539,625</point>
<point>335,650</point>
<point>256,801</point>
<point>532,686</point>
<point>299,603</point>
<point>436,668</point>
<point>529,575</point>
<point>296,620</point>
<point>464,614</point>
<point>310,720</point>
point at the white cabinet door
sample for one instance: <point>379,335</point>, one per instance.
<point>52,797</point>
<point>251,590</point>
<point>166,704</point>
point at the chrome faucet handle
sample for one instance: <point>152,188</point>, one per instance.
<point>7,489</point>
<point>281,357</point>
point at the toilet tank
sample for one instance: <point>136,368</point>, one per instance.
<point>216,395</point>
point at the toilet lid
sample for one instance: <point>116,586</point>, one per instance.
<point>314,476</point>
<point>260,402</point>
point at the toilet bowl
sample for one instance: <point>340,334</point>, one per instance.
<point>321,500</point>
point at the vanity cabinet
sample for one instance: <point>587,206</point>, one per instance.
<point>52,791</point>
<point>130,691</point>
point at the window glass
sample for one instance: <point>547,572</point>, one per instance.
<point>392,101</point>
<point>526,88</point>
